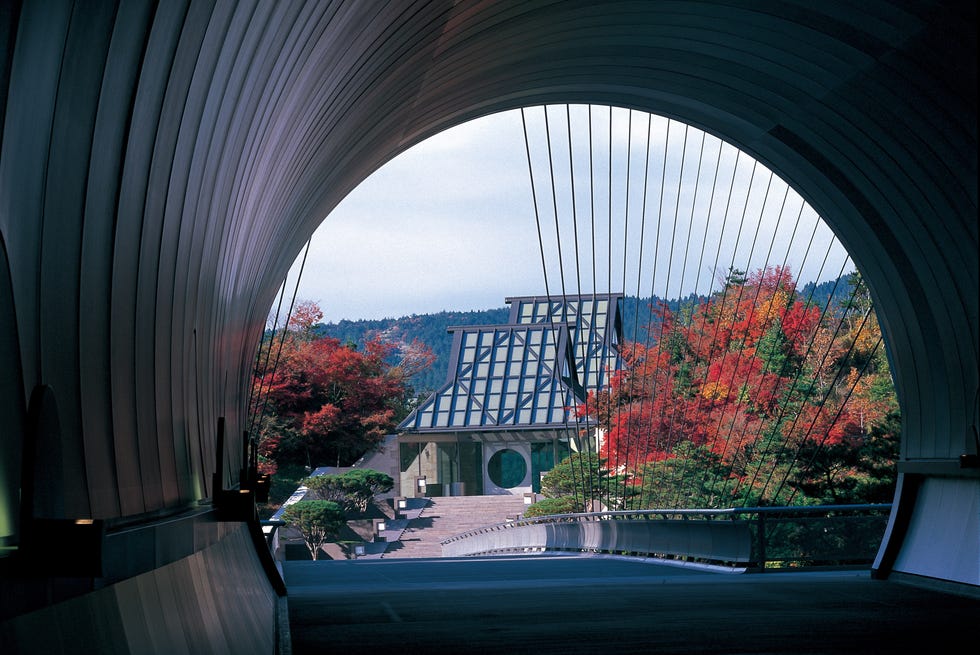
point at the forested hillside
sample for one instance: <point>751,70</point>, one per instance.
<point>432,329</point>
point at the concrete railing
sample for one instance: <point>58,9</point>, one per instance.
<point>736,538</point>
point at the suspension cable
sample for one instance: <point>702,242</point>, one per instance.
<point>544,268</point>
<point>534,199</point>
<point>783,408</point>
<point>687,247</point>
<point>823,404</point>
<point>704,242</point>
<point>724,292</point>
<point>629,432</point>
<point>252,394</point>
<point>638,412</point>
<point>285,330</point>
<point>819,368</point>
<point>588,364</point>
<point>569,433</point>
<point>783,268</point>
<point>661,441</point>
<point>609,189</point>
<point>767,320</point>
<point>578,311</point>
<point>738,300</point>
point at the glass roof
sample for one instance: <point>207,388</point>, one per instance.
<point>529,373</point>
<point>596,330</point>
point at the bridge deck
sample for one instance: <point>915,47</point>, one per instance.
<point>552,604</point>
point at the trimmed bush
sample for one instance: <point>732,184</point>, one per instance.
<point>549,506</point>
<point>352,490</point>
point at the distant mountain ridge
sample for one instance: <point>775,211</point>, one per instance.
<point>430,329</point>
<point>433,329</point>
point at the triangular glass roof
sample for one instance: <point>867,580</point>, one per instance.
<point>595,325</point>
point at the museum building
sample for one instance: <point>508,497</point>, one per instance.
<point>506,413</point>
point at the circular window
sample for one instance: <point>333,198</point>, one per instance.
<point>507,468</point>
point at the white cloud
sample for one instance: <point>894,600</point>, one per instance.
<point>450,224</point>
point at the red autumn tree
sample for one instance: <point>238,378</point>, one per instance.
<point>331,402</point>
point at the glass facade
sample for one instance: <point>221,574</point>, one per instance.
<point>449,468</point>
<point>544,456</point>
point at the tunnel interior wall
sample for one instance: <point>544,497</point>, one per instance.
<point>217,600</point>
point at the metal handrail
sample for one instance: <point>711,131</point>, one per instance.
<point>743,538</point>
<point>648,514</point>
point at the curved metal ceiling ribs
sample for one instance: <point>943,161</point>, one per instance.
<point>163,163</point>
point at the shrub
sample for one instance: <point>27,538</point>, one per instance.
<point>549,506</point>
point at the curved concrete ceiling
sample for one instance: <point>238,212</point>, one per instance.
<point>163,164</point>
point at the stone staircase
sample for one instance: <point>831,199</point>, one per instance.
<point>448,516</point>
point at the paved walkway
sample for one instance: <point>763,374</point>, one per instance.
<point>568,605</point>
<point>441,518</point>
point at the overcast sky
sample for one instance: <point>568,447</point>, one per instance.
<point>452,224</point>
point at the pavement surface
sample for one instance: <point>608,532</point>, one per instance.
<point>577,604</point>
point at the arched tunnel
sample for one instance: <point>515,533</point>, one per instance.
<point>163,163</point>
